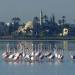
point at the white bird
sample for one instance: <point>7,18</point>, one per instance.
<point>7,52</point>
<point>5,55</point>
<point>27,57</point>
<point>16,57</point>
<point>58,55</point>
<point>32,53</point>
<point>51,57</point>
<point>72,57</point>
<point>41,57</point>
<point>32,58</point>
<point>37,54</point>
<point>47,54</point>
<point>11,56</point>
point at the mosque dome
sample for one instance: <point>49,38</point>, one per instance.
<point>29,24</point>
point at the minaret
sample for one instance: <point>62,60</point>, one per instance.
<point>41,17</point>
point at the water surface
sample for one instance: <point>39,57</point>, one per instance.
<point>67,67</point>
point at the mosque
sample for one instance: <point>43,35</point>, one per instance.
<point>43,26</point>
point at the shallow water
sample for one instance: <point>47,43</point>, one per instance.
<point>67,67</point>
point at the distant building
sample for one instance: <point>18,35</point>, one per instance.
<point>45,27</point>
<point>26,28</point>
<point>41,17</point>
<point>65,31</point>
<point>40,26</point>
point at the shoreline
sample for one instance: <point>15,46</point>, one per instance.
<point>22,38</point>
<point>38,40</point>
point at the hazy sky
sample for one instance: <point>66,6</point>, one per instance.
<point>27,9</point>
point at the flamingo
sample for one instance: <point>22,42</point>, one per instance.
<point>5,55</point>
<point>72,57</point>
<point>16,57</point>
<point>7,52</point>
<point>41,57</point>
<point>27,57</point>
<point>59,55</point>
<point>51,57</point>
<point>47,54</point>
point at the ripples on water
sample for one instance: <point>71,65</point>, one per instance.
<point>67,67</point>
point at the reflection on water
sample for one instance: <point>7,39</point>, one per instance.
<point>33,44</point>
<point>65,45</point>
<point>41,45</point>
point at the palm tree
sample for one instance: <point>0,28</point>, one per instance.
<point>36,26</point>
<point>16,19</point>
<point>15,24</point>
<point>63,19</point>
<point>35,20</point>
<point>59,21</point>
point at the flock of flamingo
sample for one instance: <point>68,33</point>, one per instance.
<point>23,54</point>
